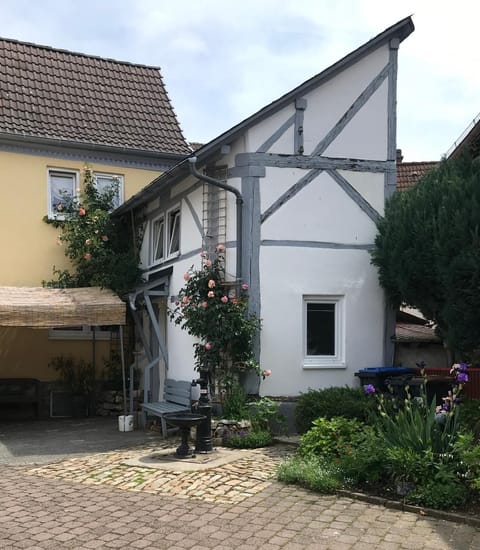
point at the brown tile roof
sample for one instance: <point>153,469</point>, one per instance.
<point>470,140</point>
<point>50,93</point>
<point>408,173</point>
<point>406,332</point>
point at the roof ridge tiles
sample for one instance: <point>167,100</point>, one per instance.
<point>77,54</point>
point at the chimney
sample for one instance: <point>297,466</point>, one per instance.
<point>399,156</point>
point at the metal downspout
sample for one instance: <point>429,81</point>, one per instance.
<point>239,202</point>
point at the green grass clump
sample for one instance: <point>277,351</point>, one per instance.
<point>312,473</point>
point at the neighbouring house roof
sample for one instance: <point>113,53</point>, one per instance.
<point>408,332</point>
<point>470,140</point>
<point>408,173</point>
<point>70,97</point>
<point>56,307</point>
<point>195,145</point>
<point>400,31</point>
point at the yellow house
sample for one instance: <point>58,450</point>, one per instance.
<point>61,111</point>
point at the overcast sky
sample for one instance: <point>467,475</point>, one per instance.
<point>223,60</point>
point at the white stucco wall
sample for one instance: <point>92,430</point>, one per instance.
<point>320,217</point>
<point>321,211</point>
<point>288,274</point>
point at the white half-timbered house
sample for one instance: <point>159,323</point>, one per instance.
<point>307,176</point>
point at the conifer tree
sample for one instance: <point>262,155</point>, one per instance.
<point>427,251</point>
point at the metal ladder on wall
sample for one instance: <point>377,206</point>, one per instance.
<point>214,213</point>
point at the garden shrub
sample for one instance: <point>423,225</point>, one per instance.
<point>469,416</point>
<point>264,415</point>
<point>364,460</point>
<point>330,437</point>
<point>330,402</point>
<point>443,491</point>
<point>234,406</point>
<point>312,472</point>
<point>349,445</point>
<point>251,440</point>
<point>468,454</point>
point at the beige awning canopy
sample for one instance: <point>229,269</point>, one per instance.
<point>57,307</point>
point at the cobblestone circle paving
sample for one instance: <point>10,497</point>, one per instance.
<point>98,501</point>
<point>231,483</point>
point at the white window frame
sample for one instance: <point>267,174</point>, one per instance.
<point>337,360</point>
<point>167,235</point>
<point>169,230</point>
<point>153,240</point>
<point>54,214</point>
<point>112,177</point>
<point>83,332</point>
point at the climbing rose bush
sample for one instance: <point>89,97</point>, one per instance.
<point>217,314</point>
<point>99,247</point>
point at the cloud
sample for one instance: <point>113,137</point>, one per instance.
<point>222,61</point>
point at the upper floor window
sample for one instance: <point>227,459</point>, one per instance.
<point>323,331</point>
<point>106,183</point>
<point>174,231</point>
<point>165,236</point>
<point>62,189</point>
<point>158,239</point>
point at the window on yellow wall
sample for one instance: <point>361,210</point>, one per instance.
<point>83,332</point>
<point>104,182</point>
<point>62,188</point>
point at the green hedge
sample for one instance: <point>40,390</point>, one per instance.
<point>331,402</point>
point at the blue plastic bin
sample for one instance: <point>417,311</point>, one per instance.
<point>378,376</point>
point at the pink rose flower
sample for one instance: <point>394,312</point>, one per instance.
<point>104,238</point>
<point>267,372</point>
<point>82,211</point>
<point>186,276</point>
<point>208,346</point>
<point>59,207</point>
<point>220,248</point>
<point>211,283</point>
<point>88,241</point>
<point>203,254</point>
<point>244,286</point>
<point>204,304</point>
<point>208,263</point>
<point>88,256</point>
<point>211,294</point>
<point>224,299</point>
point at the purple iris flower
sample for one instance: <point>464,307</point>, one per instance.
<point>463,367</point>
<point>462,377</point>
<point>369,388</point>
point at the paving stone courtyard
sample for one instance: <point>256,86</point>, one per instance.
<point>110,499</point>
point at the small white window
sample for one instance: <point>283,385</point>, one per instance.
<point>83,332</point>
<point>174,232</point>
<point>158,239</point>
<point>323,318</point>
<point>62,187</point>
<point>106,182</point>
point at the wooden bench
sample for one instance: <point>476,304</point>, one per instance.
<point>19,391</point>
<point>176,398</point>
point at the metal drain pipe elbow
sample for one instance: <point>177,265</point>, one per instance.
<point>239,204</point>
